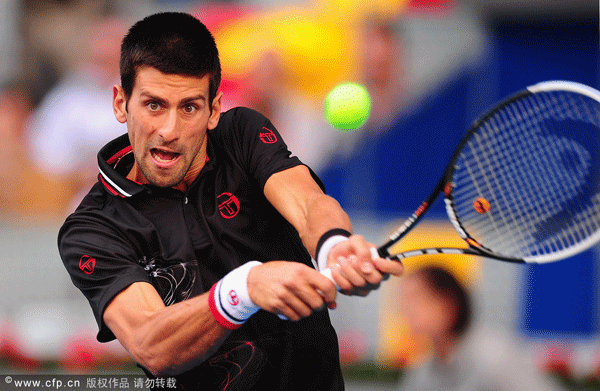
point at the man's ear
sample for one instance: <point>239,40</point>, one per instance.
<point>215,115</point>
<point>119,104</point>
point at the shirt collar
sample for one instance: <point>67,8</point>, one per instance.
<point>112,160</point>
<point>115,160</point>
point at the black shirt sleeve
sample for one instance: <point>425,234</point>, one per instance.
<point>255,142</point>
<point>100,262</point>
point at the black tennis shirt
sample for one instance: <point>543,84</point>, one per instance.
<point>182,243</point>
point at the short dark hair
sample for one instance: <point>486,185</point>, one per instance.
<point>444,284</point>
<point>173,43</point>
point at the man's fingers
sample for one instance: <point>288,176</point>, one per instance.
<point>354,258</point>
<point>325,287</point>
<point>290,289</point>
<point>311,294</point>
<point>339,278</point>
<point>365,269</point>
<point>357,267</point>
<point>387,266</point>
<point>295,309</point>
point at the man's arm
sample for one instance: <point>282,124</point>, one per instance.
<point>165,340</point>
<point>170,340</point>
<point>296,195</point>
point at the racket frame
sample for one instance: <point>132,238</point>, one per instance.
<point>445,186</point>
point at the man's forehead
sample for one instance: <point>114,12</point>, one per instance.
<point>151,81</point>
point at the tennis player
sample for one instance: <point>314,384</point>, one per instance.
<point>194,247</point>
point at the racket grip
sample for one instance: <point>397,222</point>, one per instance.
<point>327,273</point>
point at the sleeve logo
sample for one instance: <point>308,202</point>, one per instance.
<point>267,136</point>
<point>87,264</point>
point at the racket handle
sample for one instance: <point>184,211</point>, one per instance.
<point>327,273</point>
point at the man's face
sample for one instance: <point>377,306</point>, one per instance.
<point>167,119</point>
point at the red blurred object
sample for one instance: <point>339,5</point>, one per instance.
<point>81,353</point>
<point>556,358</point>
<point>216,15</point>
<point>431,5</point>
<point>353,347</point>
<point>12,352</point>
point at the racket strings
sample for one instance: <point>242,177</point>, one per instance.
<point>535,164</point>
<point>489,148</point>
<point>569,187</point>
<point>588,215</point>
<point>482,185</point>
<point>561,184</point>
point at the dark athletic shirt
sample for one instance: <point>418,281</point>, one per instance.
<point>182,243</point>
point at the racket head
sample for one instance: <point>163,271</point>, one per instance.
<point>524,182</point>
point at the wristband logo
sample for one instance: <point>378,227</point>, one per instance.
<point>233,298</point>
<point>229,205</point>
<point>268,137</point>
<point>87,264</point>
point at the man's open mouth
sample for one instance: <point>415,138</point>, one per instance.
<point>163,156</point>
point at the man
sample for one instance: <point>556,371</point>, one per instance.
<point>201,228</point>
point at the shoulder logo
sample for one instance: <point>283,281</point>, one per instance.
<point>87,264</point>
<point>229,205</point>
<point>267,136</point>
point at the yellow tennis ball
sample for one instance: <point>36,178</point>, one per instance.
<point>347,106</point>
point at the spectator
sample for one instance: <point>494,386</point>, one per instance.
<point>75,118</point>
<point>464,357</point>
<point>25,193</point>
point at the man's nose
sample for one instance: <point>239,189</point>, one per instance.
<point>169,131</point>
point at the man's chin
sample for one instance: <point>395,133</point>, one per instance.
<point>165,184</point>
<point>164,181</point>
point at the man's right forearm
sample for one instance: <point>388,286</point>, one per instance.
<point>179,337</point>
<point>164,340</point>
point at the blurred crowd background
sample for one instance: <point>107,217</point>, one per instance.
<point>431,66</point>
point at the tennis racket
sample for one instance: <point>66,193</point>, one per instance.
<point>523,185</point>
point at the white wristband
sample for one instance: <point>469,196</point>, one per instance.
<point>326,247</point>
<point>229,301</point>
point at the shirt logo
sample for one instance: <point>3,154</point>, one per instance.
<point>229,205</point>
<point>87,264</point>
<point>267,136</point>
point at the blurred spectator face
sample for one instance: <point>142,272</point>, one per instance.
<point>14,109</point>
<point>266,76</point>
<point>105,43</point>
<point>382,54</point>
<point>427,312</point>
<point>265,83</point>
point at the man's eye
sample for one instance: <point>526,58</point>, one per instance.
<point>153,106</point>
<point>189,108</point>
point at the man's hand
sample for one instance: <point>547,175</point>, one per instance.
<point>354,268</point>
<point>291,289</point>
